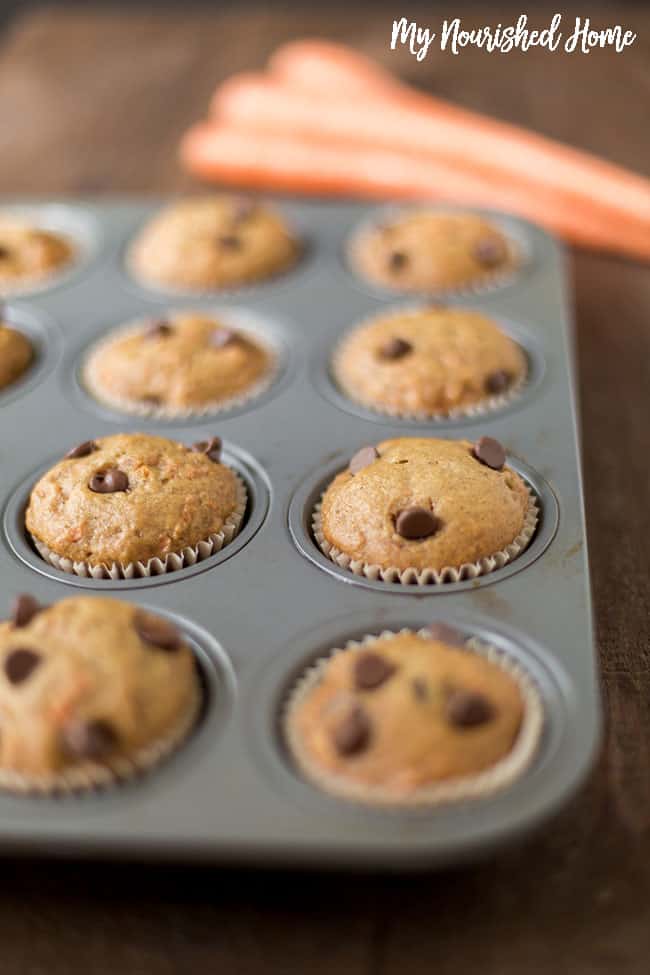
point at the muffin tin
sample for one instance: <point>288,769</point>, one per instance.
<point>270,602</point>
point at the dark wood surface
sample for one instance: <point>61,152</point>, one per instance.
<point>95,103</point>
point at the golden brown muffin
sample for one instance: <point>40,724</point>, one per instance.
<point>128,498</point>
<point>428,362</point>
<point>432,251</point>
<point>212,242</point>
<point>423,504</point>
<point>16,354</point>
<point>29,253</point>
<point>402,713</point>
<point>186,362</point>
<point>90,686</point>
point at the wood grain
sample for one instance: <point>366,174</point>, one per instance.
<point>95,102</point>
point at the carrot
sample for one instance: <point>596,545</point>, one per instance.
<point>258,101</point>
<point>317,65</point>
<point>273,160</point>
<point>393,112</point>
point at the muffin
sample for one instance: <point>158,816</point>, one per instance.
<point>186,363</point>
<point>422,510</point>
<point>134,505</point>
<point>212,242</point>
<point>412,717</point>
<point>429,362</point>
<point>16,354</point>
<point>29,253</point>
<point>432,251</point>
<point>91,690</point>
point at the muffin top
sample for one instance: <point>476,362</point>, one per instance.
<point>429,361</point>
<point>424,503</point>
<point>185,361</point>
<point>428,250</point>
<point>30,253</point>
<point>213,242</point>
<point>89,680</point>
<point>16,354</point>
<point>131,497</point>
<point>402,712</point>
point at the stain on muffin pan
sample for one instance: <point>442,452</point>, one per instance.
<point>271,598</point>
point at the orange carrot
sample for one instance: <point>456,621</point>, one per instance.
<point>393,112</point>
<point>274,160</point>
<point>258,101</point>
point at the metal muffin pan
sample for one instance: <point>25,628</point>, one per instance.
<point>269,602</point>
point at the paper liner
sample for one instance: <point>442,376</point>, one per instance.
<point>89,776</point>
<point>484,283</point>
<point>138,408</point>
<point>155,566</point>
<point>479,408</point>
<point>496,777</point>
<point>426,577</point>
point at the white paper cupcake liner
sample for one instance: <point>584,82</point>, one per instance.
<point>92,776</point>
<point>478,786</point>
<point>487,405</point>
<point>155,566</point>
<point>483,284</point>
<point>89,376</point>
<point>429,576</point>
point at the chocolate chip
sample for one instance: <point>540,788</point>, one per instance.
<point>19,664</point>
<point>497,382</point>
<point>397,260</point>
<point>109,482</point>
<point>490,251</point>
<point>211,447</point>
<point>156,631</point>
<point>81,450</point>
<point>416,522</point>
<point>395,349</point>
<point>24,609</point>
<point>93,739</point>
<point>352,734</point>
<point>371,670</point>
<point>446,634</point>
<point>158,329</point>
<point>362,458</point>
<point>230,242</point>
<point>5,253</point>
<point>465,709</point>
<point>420,688</point>
<point>489,452</point>
<point>222,337</point>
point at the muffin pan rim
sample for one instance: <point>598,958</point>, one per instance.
<point>259,502</point>
<point>47,342</point>
<point>66,217</point>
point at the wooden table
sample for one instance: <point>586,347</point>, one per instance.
<point>95,102</point>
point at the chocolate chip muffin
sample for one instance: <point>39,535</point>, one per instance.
<point>134,504</point>
<point>432,251</point>
<point>16,354</point>
<point>412,717</point>
<point>422,510</point>
<point>212,242</point>
<point>429,362</point>
<point>91,690</point>
<point>183,364</point>
<point>29,253</point>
